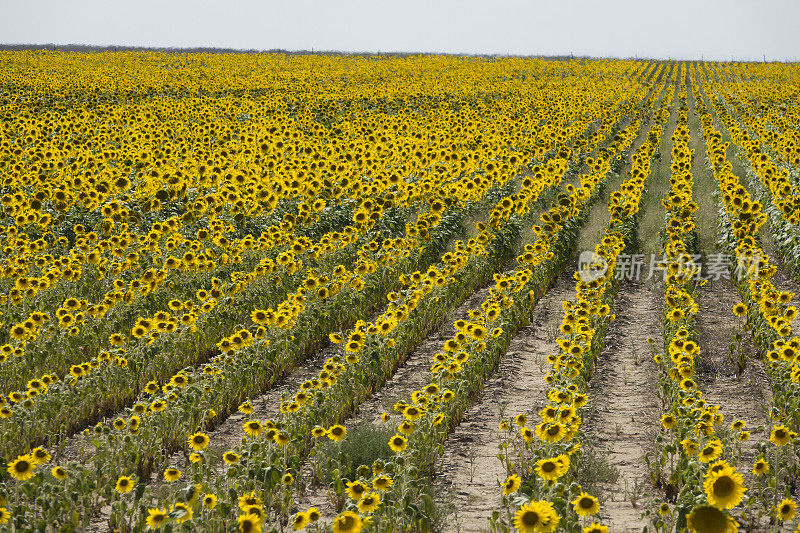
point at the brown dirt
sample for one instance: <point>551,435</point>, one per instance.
<point>469,471</point>
<point>625,407</point>
<point>414,374</point>
<point>746,397</point>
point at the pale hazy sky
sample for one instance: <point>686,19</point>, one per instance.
<point>717,29</point>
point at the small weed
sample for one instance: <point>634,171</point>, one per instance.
<point>363,446</point>
<point>595,470</point>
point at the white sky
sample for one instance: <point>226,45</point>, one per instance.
<point>685,29</point>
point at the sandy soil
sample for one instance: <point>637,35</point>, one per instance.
<point>413,374</point>
<point>746,397</point>
<point>625,405</point>
<point>469,472</point>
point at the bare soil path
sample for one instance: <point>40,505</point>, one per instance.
<point>625,407</point>
<point>412,375</point>
<point>470,471</point>
<point>415,372</point>
<point>741,395</point>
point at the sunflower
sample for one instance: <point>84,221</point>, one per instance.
<point>707,519</point>
<point>184,512</point>
<point>4,515</point>
<point>780,435</point>
<point>406,428</point>
<point>663,509</point>
<point>710,451</point>
<point>253,510</point>
<point>22,467</point>
<point>198,441</point>
<point>690,446</point>
<point>550,469</point>
<point>478,333</point>
<point>369,502</point>
<point>40,455</point>
<point>511,484</point>
<point>586,504</point>
<point>156,518</point>
<point>398,443</point>
<point>527,434</point>
<point>230,457</point>
<point>337,432</point>
<point>536,517</point>
<point>253,428</point>
<point>281,438</point>
<point>249,523</point>
<point>124,484</point>
<point>740,309</point>
<point>18,332</point>
<point>300,521</point>
<point>259,316</point>
<point>382,483</point>
<point>786,509</point>
<point>356,490</point>
<point>760,467</point>
<point>246,500</point>
<point>668,421</point>
<point>595,528</point>
<point>413,412</point>
<point>59,473</point>
<point>719,466</point>
<point>313,514</point>
<point>172,474</point>
<point>209,501</point>
<point>553,433</point>
<point>724,488</point>
<point>347,522</point>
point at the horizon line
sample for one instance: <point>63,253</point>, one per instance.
<point>78,47</point>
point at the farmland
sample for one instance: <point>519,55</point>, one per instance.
<point>256,292</point>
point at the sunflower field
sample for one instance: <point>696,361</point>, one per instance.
<point>267,292</point>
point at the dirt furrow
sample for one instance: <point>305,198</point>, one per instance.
<point>415,372</point>
<point>624,408</point>
<point>470,470</point>
<point>412,375</point>
<point>739,386</point>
